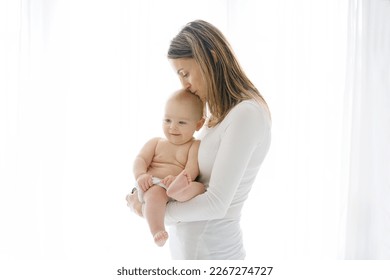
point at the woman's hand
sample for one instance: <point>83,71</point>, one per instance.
<point>134,204</point>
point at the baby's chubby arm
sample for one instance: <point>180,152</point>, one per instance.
<point>184,187</point>
<point>192,166</point>
<point>142,163</point>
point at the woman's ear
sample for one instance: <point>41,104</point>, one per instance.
<point>200,123</point>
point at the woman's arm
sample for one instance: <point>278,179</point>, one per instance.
<point>247,126</point>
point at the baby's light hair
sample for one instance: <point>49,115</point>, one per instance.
<point>185,96</point>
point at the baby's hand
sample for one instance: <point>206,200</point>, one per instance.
<point>168,180</point>
<point>145,181</point>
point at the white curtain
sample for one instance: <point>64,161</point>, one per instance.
<point>82,85</point>
<point>367,233</point>
<point>33,135</point>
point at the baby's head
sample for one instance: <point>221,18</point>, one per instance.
<point>183,116</point>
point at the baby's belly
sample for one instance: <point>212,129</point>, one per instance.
<point>163,170</point>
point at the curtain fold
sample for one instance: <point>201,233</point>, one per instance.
<point>367,108</point>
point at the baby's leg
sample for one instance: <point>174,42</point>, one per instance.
<point>154,212</point>
<point>183,188</point>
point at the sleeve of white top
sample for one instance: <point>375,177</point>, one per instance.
<point>246,128</point>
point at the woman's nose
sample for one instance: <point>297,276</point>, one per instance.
<point>185,84</point>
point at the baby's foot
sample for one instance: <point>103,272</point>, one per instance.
<point>160,238</point>
<point>182,180</point>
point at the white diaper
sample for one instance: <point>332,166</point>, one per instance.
<point>156,181</point>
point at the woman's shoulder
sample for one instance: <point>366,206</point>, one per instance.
<point>250,103</point>
<point>249,109</point>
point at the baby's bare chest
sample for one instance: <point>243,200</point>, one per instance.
<point>174,154</point>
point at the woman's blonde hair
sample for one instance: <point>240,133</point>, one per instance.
<point>227,84</point>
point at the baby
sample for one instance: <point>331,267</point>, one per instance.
<point>165,168</point>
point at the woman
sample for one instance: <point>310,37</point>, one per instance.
<point>234,143</point>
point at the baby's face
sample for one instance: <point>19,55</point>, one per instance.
<point>180,122</point>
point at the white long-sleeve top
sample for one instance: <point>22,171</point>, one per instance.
<point>230,154</point>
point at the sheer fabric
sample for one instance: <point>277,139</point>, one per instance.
<point>367,110</point>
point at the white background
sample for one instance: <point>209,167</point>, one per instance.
<point>85,87</point>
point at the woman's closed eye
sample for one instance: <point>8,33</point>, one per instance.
<point>183,74</point>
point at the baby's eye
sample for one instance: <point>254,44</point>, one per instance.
<point>182,122</point>
<point>167,121</point>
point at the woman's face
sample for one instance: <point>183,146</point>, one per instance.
<point>190,76</point>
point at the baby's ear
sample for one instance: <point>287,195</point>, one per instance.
<point>200,123</point>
